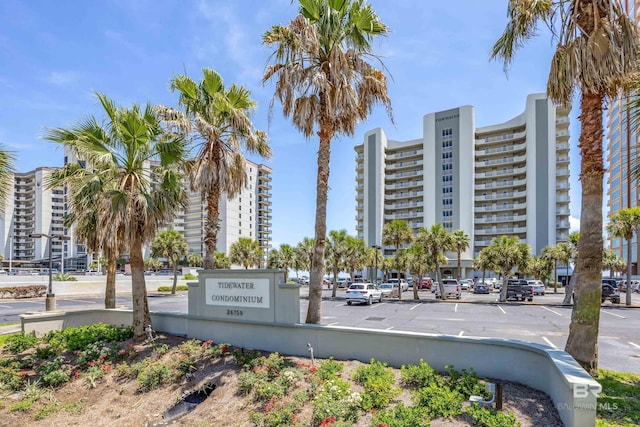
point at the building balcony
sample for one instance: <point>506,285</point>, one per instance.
<point>406,154</point>
<point>502,195</point>
<point>502,184</point>
<point>403,185</point>
<point>359,217</point>
<point>562,172</point>
<point>497,231</point>
<point>264,176</point>
<point>360,177</point>
<point>262,184</point>
<point>359,206</point>
<point>402,175</point>
<point>498,218</point>
<point>404,215</point>
<point>564,211</point>
<point>498,173</point>
<point>404,205</point>
<point>392,166</point>
<point>501,161</point>
<point>506,149</point>
<point>501,207</point>
<point>562,147</point>
<point>404,195</point>
<point>507,136</point>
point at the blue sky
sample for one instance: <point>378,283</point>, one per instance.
<point>54,55</point>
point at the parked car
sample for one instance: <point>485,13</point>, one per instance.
<point>465,284</point>
<point>622,286</point>
<point>611,281</point>
<point>425,283</point>
<point>610,293</point>
<point>401,282</point>
<point>480,288</point>
<point>365,293</point>
<point>343,282</point>
<point>519,290</point>
<point>538,286</point>
<point>2,271</point>
<point>389,289</point>
<point>451,289</point>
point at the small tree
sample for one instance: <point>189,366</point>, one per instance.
<point>246,252</point>
<point>194,260</point>
<point>221,261</point>
<point>506,253</point>
<point>171,245</point>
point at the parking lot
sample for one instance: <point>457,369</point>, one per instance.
<point>544,321</point>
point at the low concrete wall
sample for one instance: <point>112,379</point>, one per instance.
<point>552,371</point>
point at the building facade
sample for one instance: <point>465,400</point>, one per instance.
<point>32,208</point>
<point>621,156</point>
<point>506,179</point>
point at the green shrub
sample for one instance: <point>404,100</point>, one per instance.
<point>335,399</point>
<point>378,382</point>
<point>465,383</point>
<point>23,405</point>
<point>402,416</point>
<point>79,338</point>
<point>154,375</point>
<point>439,400</point>
<point>64,277</point>
<point>417,376</point>
<point>170,288</point>
<point>55,378</point>
<point>17,343</point>
<point>190,276</point>
<point>244,358</point>
<point>265,390</point>
<point>93,374</point>
<point>160,349</point>
<point>276,415</point>
<point>329,369</point>
<point>12,377</point>
<point>44,353</point>
<point>45,411</point>
<point>489,418</point>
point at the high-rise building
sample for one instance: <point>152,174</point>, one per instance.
<point>31,208</point>
<point>621,155</point>
<point>506,179</point>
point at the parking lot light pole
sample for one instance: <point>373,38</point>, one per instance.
<point>50,300</point>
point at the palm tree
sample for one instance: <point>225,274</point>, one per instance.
<point>89,216</point>
<point>373,260</point>
<point>418,261</point>
<point>612,262</point>
<point>141,197</point>
<point>245,252</point>
<point>483,262</point>
<point>283,258</point>
<point>151,263</point>
<point>304,253</point>
<point>397,233</point>
<point>220,119</point>
<point>553,254</point>
<point>7,169</point>
<point>506,253</point>
<point>574,238</point>
<point>538,267</point>
<point>624,224</point>
<point>326,85</point>
<point>194,260</point>
<point>354,255</point>
<point>336,254</point>
<point>597,55</point>
<point>435,241</point>
<point>171,245</point>
<point>461,242</point>
<point>221,261</point>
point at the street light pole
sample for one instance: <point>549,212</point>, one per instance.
<point>50,300</point>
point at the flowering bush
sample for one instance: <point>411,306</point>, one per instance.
<point>335,399</point>
<point>379,385</point>
<point>401,416</point>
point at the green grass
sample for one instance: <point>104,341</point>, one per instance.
<point>619,401</point>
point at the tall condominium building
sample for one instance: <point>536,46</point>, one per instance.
<point>32,208</point>
<point>621,154</point>
<point>248,214</point>
<point>506,179</point>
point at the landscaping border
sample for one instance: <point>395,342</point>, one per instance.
<point>552,371</point>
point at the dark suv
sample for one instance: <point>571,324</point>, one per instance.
<point>610,293</point>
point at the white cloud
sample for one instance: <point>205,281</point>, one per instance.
<point>574,224</point>
<point>63,78</point>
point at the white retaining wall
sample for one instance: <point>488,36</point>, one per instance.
<point>552,371</point>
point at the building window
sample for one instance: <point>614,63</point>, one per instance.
<point>240,224</point>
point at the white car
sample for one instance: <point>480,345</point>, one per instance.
<point>389,289</point>
<point>465,284</point>
<point>404,285</point>
<point>451,289</point>
<point>365,293</point>
<point>538,286</point>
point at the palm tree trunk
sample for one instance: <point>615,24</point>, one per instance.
<point>110,288</point>
<point>555,276</point>
<point>317,265</point>
<point>440,284</point>
<point>568,291</point>
<point>503,288</point>
<point>211,227</point>
<point>629,255</point>
<point>459,265</point>
<point>335,283</point>
<point>175,278</point>
<point>141,317</point>
<point>582,342</point>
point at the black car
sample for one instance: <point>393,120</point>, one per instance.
<point>480,288</point>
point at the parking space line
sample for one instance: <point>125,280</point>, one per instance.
<point>461,333</point>
<point>376,305</point>
<point>501,309</point>
<point>553,311</point>
<point>634,345</point>
<point>415,306</point>
<point>612,314</point>
<point>5,306</point>
<point>549,342</point>
<point>339,305</point>
<point>389,328</point>
<point>455,309</point>
<point>332,324</point>
<point>82,300</point>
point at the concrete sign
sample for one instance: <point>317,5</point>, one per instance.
<point>237,292</point>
